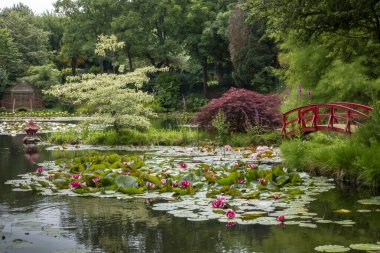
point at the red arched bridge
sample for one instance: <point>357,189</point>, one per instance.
<point>339,117</point>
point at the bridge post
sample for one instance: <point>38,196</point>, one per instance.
<point>348,124</point>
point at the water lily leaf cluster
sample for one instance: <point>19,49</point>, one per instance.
<point>17,127</point>
<point>188,182</point>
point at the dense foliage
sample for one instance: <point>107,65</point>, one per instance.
<point>116,99</point>
<point>242,108</point>
<point>330,47</point>
<point>193,38</point>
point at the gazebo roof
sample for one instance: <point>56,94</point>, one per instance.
<point>21,88</point>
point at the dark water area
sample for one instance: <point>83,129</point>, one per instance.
<point>32,223</point>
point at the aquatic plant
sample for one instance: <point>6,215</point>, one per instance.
<point>205,190</point>
<point>230,214</point>
<point>281,218</point>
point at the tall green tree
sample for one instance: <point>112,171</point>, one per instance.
<point>330,47</point>
<point>253,53</point>
<point>205,36</point>
<point>9,59</point>
<point>30,41</point>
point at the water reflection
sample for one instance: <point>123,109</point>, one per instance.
<point>112,225</point>
<point>31,153</point>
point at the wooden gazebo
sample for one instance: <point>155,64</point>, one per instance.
<point>21,97</point>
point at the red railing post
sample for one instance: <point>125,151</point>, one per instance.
<point>283,129</point>
<point>348,124</point>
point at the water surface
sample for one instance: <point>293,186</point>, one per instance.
<point>32,223</point>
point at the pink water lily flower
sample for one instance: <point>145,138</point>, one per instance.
<point>261,180</point>
<point>75,184</point>
<point>163,181</point>
<point>262,148</point>
<point>217,204</point>
<point>183,165</point>
<point>206,170</point>
<point>241,181</point>
<point>185,183</point>
<point>174,184</point>
<point>40,170</point>
<point>252,165</point>
<point>221,198</point>
<point>276,196</point>
<point>230,214</point>
<point>254,155</point>
<point>150,185</point>
<point>75,176</point>
<point>227,147</point>
<point>213,175</point>
<point>96,180</point>
<point>281,218</point>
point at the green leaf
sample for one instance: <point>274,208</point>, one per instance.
<point>97,167</point>
<point>153,179</point>
<point>332,248</point>
<point>365,246</point>
<point>281,180</point>
<point>60,183</point>
<point>229,180</point>
<point>126,181</point>
<point>43,183</point>
<point>132,190</point>
<point>108,180</point>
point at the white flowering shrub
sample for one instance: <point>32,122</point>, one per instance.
<point>116,98</point>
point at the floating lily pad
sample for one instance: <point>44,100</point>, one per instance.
<point>324,221</point>
<point>372,201</point>
<point>363,211</point>
<point>365,246</point>
<point>19,243</point>
<point>332,248</point>
<point>346,222</point>
<point>117,179</point>
<point>307,225</point>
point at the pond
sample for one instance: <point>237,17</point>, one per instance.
<point>34,223</point>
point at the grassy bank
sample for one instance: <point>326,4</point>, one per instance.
<point>354,159</point>
<point>170,137</point>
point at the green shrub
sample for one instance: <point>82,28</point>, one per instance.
<point>167,88</point>
<point>220,123</point>
<point>194,102</point>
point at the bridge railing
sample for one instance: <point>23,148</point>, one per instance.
<point>338,117</point>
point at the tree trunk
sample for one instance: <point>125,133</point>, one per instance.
<point>130,59</point>
<point>219,72</point>
<point>74,61</point>
<point>205,77</point>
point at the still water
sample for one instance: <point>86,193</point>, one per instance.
<point>32,223</point>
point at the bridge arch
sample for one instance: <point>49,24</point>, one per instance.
<point>341,117</point>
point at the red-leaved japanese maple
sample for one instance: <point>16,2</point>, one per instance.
<point>242,108</point>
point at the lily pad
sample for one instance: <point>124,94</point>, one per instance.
<point>372,201</point>
<point>365,246</point>
<point>346,222</point>
<point>332,248</point>
<point>126,181</point>
<point>307,225</point>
